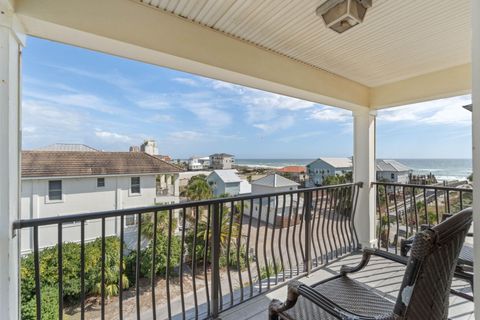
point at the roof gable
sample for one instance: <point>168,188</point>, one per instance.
<point>335,162</point>
<point>391,165</point>
<point>275,181</point>
<point>227,175</point>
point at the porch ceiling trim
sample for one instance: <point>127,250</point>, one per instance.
<point>129,29</point>
<point>445,83</point>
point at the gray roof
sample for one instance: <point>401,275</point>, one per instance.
<point>336,162</point>
<point>468,107</point>
<point>68,147</point>
<point>221,155</point>
<point>391,166</point>
<point>227,175</point>
<point>275,180</point>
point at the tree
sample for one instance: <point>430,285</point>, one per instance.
<point>198,189</point>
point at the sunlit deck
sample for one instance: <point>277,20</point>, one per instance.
<point>381,275</point>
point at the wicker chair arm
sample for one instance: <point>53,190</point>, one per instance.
<point>296,289</point>
<point>367,253</point>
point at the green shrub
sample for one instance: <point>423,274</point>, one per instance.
<point>233,263</point>
<point>49,307</point>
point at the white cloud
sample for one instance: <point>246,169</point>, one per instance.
<point>186,81</point>
<point>112,135</point>
<point>439,112</point>
<point>280,123</point>
<point>153,102</point>
<point>186,135</point>
<point>330,114</point>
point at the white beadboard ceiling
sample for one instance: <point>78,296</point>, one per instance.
<point>399,39</point>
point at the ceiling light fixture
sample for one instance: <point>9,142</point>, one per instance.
<point>341,15</point>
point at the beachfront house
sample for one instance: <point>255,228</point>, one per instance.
<point>222,161</point>
<point>198,163</point>
<point>321,168</point>
<point>392,171</point>
<point>58,183</point>
<point>225,182</point>
<point>295,173</point>
<point>272,209</point>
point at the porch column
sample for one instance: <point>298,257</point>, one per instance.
<point>364,171</point>
<point>476,145</point>
<point>11,42</point>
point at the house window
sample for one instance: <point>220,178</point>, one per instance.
<point>135,185</point>
<point>100,182</point>
<point>55,190</point>
<point>392,176</point>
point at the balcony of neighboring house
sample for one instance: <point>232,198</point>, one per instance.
<point>219,259</point>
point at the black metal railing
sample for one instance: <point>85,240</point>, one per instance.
<point>187,260</point>
<point>402,209</point>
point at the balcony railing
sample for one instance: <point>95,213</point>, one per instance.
<point>402,209</point>
<point>227,251</point>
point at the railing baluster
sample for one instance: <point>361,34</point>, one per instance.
<point>314,218</point>
<point>387,212</point>
<point>36,262</point>
<point>257,237</point>
<point>294,233</point>
<point>279,245</point>
<point>307,263</point>
<point>267,267</point>
<point>154,264</point>
<point>448,201</point>
<point>247,253</point>
<point>206,258</point>
<point>380,223</point>
<point>436,206</point>
<point>461,199</point>
<point>397,217</point>
<point>137,264</point>
<point>405,212</point>
<point>301,229</point>
<point>272,236</point>
<point>60,272</point>
<point>239,245</point>
<point>103,270</point>
<point>343,246</point>
<point>194,261</point>
<point>287,247</point>
<point>82,270</point>
<point>182,254</point>
<point>351,195</point>
<point>329,218</point>
<point>229,242</point>
<point>425,202</point>
<point>169,255</point>
<point>323,228</point>
<point>120,279</point>
<point>216,220</point>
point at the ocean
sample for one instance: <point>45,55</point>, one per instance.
<point>443,169</point>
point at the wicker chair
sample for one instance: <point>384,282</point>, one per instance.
<point>424,293</point>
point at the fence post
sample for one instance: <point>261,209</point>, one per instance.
<point>215,259</point>
<point>308,232</point>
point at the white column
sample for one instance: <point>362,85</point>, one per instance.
<point>476,145</point>
<point>11,43</point>
<point>364,171</point>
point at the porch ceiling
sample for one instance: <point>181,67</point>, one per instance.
<point>398,39</point>
<point>404,52</point>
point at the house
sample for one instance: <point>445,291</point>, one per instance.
<point>321,168</point>
<point>295,173</point>
<point>150,147</point>
<point>221,161</point>
<point>198,163</point>
<point>392,171</point>
<point>226,182</point>
<point>274,209</point>
<point>58,183</point>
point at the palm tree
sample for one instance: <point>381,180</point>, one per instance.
<point>198,189</point>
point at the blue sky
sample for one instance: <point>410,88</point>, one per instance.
<point>73,95</point>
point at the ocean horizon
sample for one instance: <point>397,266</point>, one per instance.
<point>443,169</point>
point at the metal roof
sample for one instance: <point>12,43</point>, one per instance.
<point>227,175</point>
<point>391,165</point>
<point>275,180</point>
<point>396,41</point>
<point>336,162</point>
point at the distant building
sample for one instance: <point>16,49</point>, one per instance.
<point>198,163</point>
<point>296,173</point>
<point>321,168</point>
<point>392,171</point>
<point>67,147</point>
<point>279,207</point>
<point>134,149</point>
<point>150,147</point>
<point>56,183</point>
<point>226,182</point>
<point>221,161</point>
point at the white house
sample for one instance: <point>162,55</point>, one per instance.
<point>392,171</point>
<point>226,182</point>
<point>276,208</point>
<point>222,161</point>
<point>324,167</point>
<point>198,163</point>
<point>68,182</point>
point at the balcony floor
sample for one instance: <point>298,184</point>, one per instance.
<point>382,275</point>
